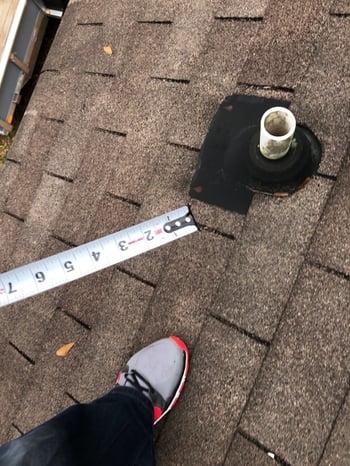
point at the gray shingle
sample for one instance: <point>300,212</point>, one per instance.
<point>111,216</point>
<point>146,45</point>
<point>306,371</point>
<point>8,175</point>
<point>168,188</point>
<point>227,48</point>
<point>244,453</point>
<point>340,7</point>
<point>223,369</point>
<point>156,10</point>
<point>183,296</point>
<point>24,135</point>
<point>167,191</point>
<point>213,217</point>
<point>285,44</point>
<point>84,203</point>
<point>66,156</point>
<point>331,242</point>
<point>10,229</point>
<point>45,396</point>
<point>66,53</point>
<point>338,447</point>
<point>133,171</point>
<point>320,100</point>
<point>116,318</point>
<point>48,202</point>
<point>22,192</point>
<point>15,372</point>
<point>303,381</point>
<point>241,8</point>
<point>265,264</point>
<point>32,318</point>
<point>56,95</point>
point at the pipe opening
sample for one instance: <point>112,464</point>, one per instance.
<point>278,123</point>
<point>277,129</point>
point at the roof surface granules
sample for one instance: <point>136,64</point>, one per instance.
<point>262,299</point>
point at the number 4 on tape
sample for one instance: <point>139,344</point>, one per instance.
<point>34,278</point>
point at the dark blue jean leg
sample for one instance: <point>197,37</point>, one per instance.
<point>116,429</point>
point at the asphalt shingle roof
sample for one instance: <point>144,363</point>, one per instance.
<point>262,300</point>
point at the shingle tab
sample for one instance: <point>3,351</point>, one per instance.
<point>101,154</point>
<point>320,100</point>
<point>183,296</point>
<point>67,53</point>
<point>48,202</point>
<point>8,175</point>
<point>20,147</point>
<point>241,8</point>
<point>32,318</point>
<point>45,395</point>
<point>66,156</point>
<point>338,447</point>
<point>245,453</point>
<point>221,220</point>
<point>133,171</point>
<point>185,44</point>
<point>223,368</point>
<point>56,95</point>
<point>15,371</point>
<point>116,319</point>
<point>112,215</point>
<point>340,7</point>
<point>22,192</point>
<point>265,264</point>
<point>331,242</point>
<point>146,45</point>
<point>227,47</point>
<point>285,45</point>
<point>112,287</point>
<point>306,371</point>
<point>167,191</point>
<point>10,229</point>
<point>156,10</point>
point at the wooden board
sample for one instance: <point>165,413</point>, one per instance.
<point>7,13</point>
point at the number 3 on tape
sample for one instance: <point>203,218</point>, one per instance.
<point>34,278</point>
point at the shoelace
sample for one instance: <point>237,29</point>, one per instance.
<point>133,378</point>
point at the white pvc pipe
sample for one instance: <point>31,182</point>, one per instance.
<point>277,129</point>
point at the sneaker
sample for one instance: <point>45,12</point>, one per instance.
<point>159,372</point>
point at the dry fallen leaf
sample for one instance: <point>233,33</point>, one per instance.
<point>108,50</point>
<point>64,350</point>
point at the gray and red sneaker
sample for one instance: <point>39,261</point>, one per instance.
<point>158,371</point>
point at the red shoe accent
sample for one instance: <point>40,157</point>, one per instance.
<point>157,413</point>
<point>179,343</point>
<point>182,346</point>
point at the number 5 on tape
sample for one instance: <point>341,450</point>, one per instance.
<point>34,278</point>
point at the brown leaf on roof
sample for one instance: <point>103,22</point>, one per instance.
<point>65,349</point>
<point>108,50</point>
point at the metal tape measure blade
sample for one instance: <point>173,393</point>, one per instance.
<point>36,277</point>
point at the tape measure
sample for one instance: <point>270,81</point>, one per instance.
<point>67,266</point>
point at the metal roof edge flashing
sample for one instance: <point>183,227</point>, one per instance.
<point>51,12</point>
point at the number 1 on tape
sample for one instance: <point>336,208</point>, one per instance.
<point>34,278</point>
